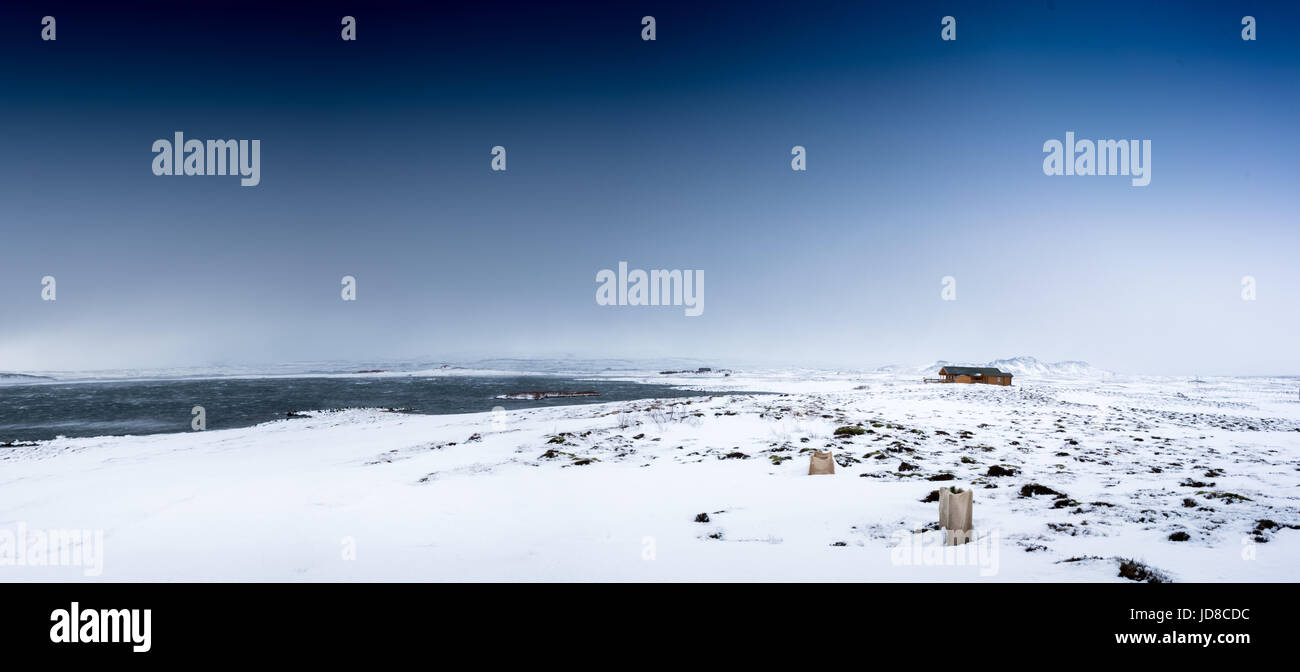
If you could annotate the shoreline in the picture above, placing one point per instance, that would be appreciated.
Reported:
(143, 408)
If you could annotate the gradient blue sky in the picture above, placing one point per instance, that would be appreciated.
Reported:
(924, 160)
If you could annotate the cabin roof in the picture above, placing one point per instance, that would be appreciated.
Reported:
(972, 371)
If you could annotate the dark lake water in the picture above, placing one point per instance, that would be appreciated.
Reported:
(35, 412)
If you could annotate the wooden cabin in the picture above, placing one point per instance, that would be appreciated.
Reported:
(971, 374)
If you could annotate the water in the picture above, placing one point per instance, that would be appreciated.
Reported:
(43, 411)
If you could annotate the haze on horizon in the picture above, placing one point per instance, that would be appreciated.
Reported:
(924, 161)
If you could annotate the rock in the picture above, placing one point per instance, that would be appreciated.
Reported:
(1136, 571)
(1034, 489)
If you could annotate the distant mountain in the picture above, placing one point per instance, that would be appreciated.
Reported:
(21, 378)
(1016, 366)
(1030, 366)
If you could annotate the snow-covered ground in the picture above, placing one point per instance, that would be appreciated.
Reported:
(613, 491)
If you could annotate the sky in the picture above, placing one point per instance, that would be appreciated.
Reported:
(924, 160)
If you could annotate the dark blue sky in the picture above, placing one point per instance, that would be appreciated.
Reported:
(924, 161)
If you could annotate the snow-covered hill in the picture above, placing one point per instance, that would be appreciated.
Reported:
(1070, 478)
(1030, 366)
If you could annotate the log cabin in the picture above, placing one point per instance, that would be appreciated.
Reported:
(971, 374)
